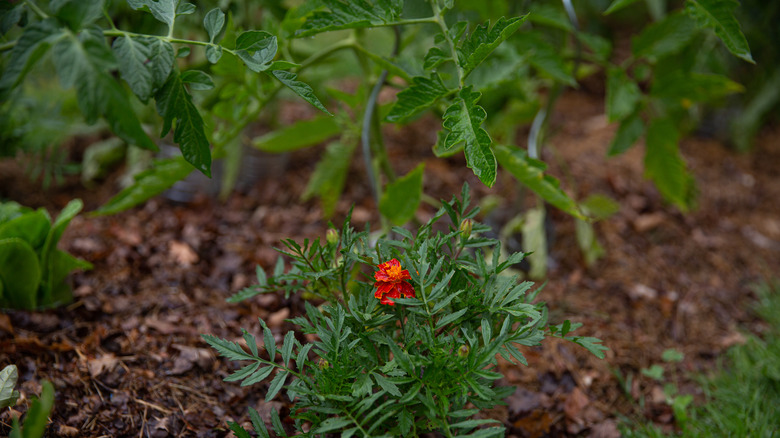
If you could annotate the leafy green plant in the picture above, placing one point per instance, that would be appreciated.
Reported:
(33, 272)
(402, 350)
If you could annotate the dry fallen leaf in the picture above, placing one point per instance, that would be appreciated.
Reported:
(183, 254)
(101, 364)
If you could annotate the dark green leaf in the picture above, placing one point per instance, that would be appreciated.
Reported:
(32, 227)
(38, 415)
(11, 17)
(386, 384)
(148, 184)
(664, 37)
(77, 14)
(258, 424)
(463, 119)
(299, 88)
(434, 58)
(351, 14)
(243, 373)
(330, 175)
(214, 21)
(163, 10)
(362, 386)
(133, 56)
(450, 318)
(183, 52)
(227, 349)
(627, 134)
(258, 376)
(402, 197)
(34, 43)
(544, 57)
(591, 344)
(665, 166)
(332, 424)
(85, 63)
(719, 15)
(257, 49)
(238, 430)
(213, 53)
(276, 385)
(623, 95)
(482, 42)
(299, 135)
(174, 102)
(418, 97)
(530, 172)
(617, 5)
(287, 348)
(197, 79)
(20, 274)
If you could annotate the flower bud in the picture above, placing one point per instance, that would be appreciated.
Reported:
(465, 228)
(323, 364)
(463, 351)
(332, 236)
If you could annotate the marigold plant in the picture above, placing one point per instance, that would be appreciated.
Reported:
(403, 347)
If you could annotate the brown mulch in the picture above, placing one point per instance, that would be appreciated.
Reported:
(126, 357)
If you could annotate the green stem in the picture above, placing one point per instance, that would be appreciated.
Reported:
(38, 11)
(445, 31)
(110, 21)
(7, 46)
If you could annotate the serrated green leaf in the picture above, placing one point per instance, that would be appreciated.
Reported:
(258, 376)
(197, 79)
(133, 55)
(627, 134)
(623, 95)
(163, 10)
(243, 373)
(463, 119)
(665, 166)
(330, 175)
(227, 349)
(299, 88)
(434, 58)
(76, 14)
(84, 62)
(276, 385)
(696, 87)
(148, 184)
(351, 14)
(287, 347)
(276, 422)
(8, 395)
(174, 102)
(258, 424)
(419, 96)
(401, 198)
(530, 172)
(362, 386)
(36, 40)
(617, 5)
(450, 318)
(386, 384)
(257, 49)
(214, 21)
(470, 424)
(299, 135)
(483, 40)
(332, 424)
(664, 37)
(238, 430)
(719, 15)
(591, 344)
(303, 356)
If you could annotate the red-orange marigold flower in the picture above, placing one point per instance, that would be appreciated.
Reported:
(391, 282)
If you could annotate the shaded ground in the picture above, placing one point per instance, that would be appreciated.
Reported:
(126, 357)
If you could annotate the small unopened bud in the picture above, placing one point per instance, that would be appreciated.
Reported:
(332, 236)
(323, 364)
(463, 351)
(465, 228)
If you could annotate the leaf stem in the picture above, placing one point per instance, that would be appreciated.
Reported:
(439, 16)
(38, 11)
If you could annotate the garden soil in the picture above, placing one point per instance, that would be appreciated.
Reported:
(127, 360)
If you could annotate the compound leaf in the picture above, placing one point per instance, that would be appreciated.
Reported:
(530, 172)
(719, 15)
(484, 40)
(351, 14)
(664, 37)
(30, 47)
(174, 102)
(84, 62)
(214, 21)
(163, 10)
(133, 55)
(463, 119)
(423, 93)
(665, 166)
(257, 49)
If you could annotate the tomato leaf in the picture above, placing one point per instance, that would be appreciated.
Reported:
(351, 14)
(719, 15)
(665, 166)
(423, 93)
(463, 119)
